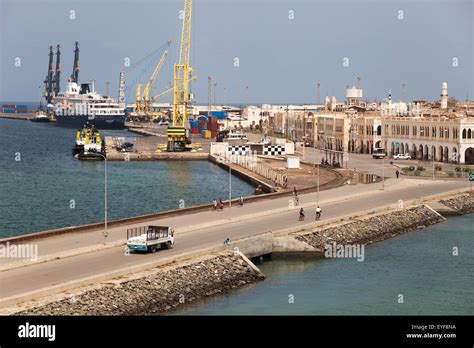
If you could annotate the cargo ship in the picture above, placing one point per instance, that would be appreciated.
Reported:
(80, 104)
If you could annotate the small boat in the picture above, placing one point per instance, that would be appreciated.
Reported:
(91, 156)
(40, 117)
(89, 145)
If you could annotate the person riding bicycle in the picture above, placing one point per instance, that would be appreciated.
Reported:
(241, 201)
(221, 204)
(214, 204)
(318, 212)
(301, 214)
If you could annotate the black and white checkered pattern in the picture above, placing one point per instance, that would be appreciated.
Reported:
(273, 150)
(240, 150)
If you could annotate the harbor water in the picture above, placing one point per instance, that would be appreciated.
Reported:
(43, 187)
(419, 265)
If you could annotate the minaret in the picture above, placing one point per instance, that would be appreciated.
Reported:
(444, 96)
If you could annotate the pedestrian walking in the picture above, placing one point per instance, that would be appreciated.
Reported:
(397, 173)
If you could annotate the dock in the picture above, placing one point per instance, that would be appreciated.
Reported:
(11, 116)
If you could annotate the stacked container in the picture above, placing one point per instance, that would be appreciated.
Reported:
(212, 126)
(194, 127)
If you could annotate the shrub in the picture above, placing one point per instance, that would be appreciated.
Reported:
(438, 168)
(417, 173)
(466, 170)
(420, 168)
(457, 169)
(450, 174)
(405, 169)
(411, 168)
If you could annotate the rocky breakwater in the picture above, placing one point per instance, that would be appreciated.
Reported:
(159, 291)
(373, 228)
(463, 204)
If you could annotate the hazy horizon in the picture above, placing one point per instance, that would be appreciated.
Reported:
(284, 47)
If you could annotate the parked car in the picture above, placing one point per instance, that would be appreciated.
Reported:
(402, 156)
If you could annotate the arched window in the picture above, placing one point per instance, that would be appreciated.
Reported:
(464, 133)
(469, 133)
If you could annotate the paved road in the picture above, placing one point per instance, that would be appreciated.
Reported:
(334, 204)
(361, 162)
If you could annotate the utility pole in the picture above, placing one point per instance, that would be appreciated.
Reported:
(209, 93)
(107, 83)
(105, 233)
(317, 192)
(215, 93)
(318, 96)
(304, 131)
(230, 187)
(383, 173)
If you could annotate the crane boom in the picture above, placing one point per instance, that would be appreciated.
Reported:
(147, 88)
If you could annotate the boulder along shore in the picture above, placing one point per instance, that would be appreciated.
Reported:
(160, 291)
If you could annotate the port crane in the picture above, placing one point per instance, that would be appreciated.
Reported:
(177, 139)
(142, 101)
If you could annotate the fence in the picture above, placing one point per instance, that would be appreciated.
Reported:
(250, 162)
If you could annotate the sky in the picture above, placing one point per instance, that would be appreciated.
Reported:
(256, 51)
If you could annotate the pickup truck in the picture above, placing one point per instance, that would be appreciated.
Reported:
(150, 238)
(402, 156)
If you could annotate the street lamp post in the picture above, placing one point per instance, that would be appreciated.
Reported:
(105, 233)
(230, 187)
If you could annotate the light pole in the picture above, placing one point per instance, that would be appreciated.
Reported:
(105, 233)
(383, 173)
(230, 187)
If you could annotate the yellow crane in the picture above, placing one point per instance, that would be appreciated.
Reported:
(177, 139)
(159, 95)
(142, 101)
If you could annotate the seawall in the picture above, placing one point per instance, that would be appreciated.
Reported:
(159, 290)
(371, 229)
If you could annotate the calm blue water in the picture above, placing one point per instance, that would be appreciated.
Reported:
(36, 192)
(420, 265)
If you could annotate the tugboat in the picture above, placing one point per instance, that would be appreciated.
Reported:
(89, 145)
(40, 117)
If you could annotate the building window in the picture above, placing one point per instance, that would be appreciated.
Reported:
(414, 131)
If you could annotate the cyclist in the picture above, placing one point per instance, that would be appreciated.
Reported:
(301, 214)
(318, 213)
(214, 204)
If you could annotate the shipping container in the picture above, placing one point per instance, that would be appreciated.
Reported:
(21, 106)
(8, 106)
(21, 111)
(9, 110)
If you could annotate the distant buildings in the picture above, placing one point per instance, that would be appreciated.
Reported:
(427, 131)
